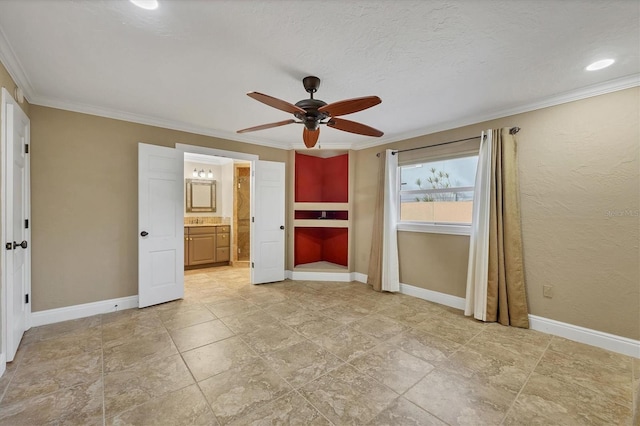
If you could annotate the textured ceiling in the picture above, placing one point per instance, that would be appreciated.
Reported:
(189, 64)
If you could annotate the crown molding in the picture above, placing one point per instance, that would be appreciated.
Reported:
(149, 121)
(14, 67)
(574, 95)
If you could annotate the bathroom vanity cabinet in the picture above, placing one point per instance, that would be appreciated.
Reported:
(206, 245)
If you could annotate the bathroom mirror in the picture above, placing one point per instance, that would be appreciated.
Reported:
(201, 195)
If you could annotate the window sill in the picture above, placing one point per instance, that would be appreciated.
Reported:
(435, 228)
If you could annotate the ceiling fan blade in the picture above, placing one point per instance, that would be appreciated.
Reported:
(267, 126)
(310, 137)
(350, 106)
(353, 127)
(276, 103)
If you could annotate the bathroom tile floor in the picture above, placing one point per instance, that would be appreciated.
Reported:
(307, 352)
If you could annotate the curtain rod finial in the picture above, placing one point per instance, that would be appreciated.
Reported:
(514, 130)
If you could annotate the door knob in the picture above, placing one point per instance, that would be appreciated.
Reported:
(144, 233)
(23, 244)
(281, 226)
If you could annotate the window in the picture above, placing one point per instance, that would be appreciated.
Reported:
(437, 196)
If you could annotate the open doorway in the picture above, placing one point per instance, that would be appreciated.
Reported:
(161, 219)
(217, 213)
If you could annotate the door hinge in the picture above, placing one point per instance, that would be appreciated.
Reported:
(253, 219)
(26, 298)
(26, 148)
(253, 265)
(8, 246)
(26, 224)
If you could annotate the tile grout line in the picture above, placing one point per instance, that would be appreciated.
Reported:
(580, 385)
(189, 369)
(506, 414)
(133, 366)
(414, 385)
(315, 408)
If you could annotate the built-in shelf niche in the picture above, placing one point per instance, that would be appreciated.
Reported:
(321, 180)
(321, 226)
(315, 244)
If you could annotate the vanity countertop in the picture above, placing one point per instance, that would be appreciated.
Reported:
(200, 225)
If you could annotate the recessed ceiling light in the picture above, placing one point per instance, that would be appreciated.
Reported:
(146, 4)
(598, 65)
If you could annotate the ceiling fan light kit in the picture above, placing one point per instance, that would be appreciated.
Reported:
(314, 112)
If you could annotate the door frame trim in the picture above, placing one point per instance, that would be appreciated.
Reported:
(252, 158)
(194, 149)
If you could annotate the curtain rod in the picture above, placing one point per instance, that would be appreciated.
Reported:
(512, 131)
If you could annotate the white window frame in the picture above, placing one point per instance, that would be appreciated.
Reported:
(434, 227)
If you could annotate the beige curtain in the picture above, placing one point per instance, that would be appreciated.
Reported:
(384, 272)
(506, 292)
(374, 274)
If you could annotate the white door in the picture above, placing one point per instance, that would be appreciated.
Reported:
(17, 210)
(160, 225)
(268, 231)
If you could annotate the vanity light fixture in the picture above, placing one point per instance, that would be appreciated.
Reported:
(146, 4)
(598, 65)
(201, 173)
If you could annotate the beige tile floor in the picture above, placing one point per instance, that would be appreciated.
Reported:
(303, 353)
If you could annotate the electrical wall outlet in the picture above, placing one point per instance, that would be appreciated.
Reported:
(547, 291)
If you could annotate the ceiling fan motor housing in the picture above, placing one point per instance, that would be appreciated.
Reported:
(312, 116)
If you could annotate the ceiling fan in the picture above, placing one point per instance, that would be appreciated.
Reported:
(314, 112)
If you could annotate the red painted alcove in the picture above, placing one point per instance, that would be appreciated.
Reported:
(321, 244)
(322, 180)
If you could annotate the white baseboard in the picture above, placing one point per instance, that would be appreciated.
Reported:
(432, 296)
(320, 276)
(360, 277)
(81, 311)
(588, 336)
(611, 342)
(3, 363)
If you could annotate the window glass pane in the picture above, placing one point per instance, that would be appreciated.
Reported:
(438, 191)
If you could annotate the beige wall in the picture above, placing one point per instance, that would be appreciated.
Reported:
(84, 202)
(578, 161)
(442, 259)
